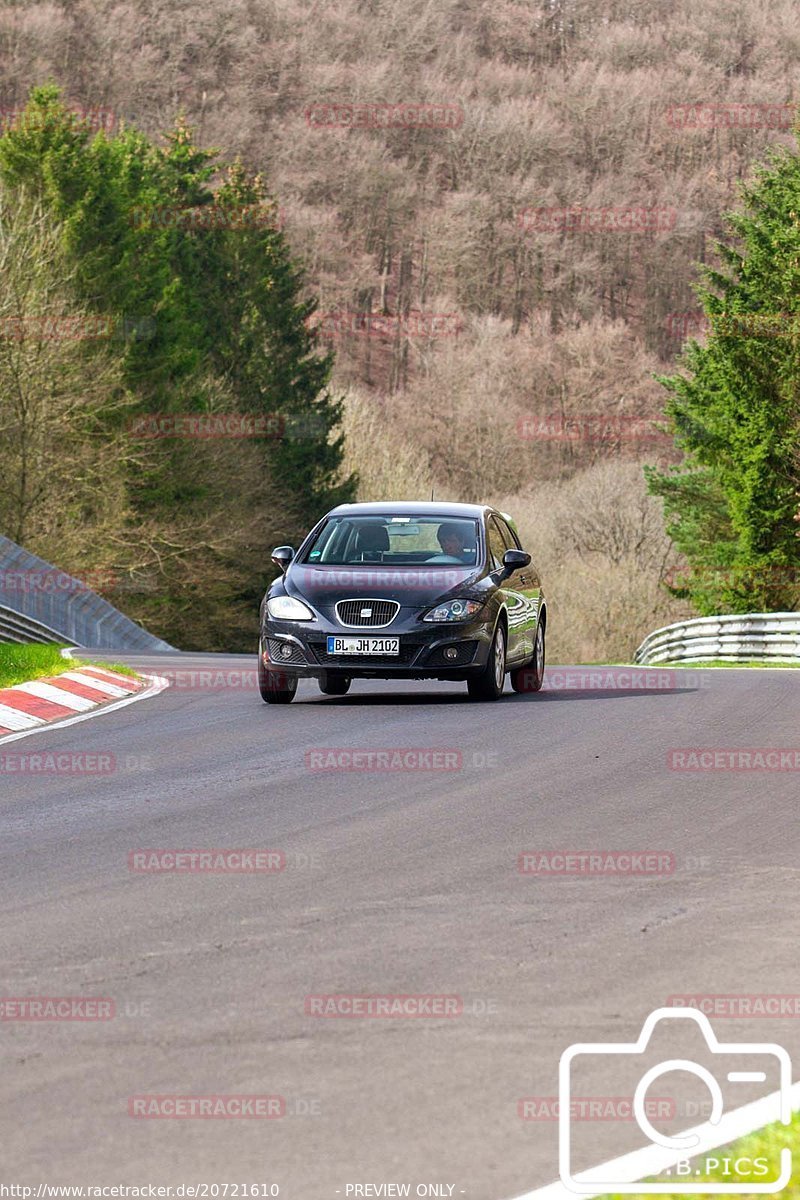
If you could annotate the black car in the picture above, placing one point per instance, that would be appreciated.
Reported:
(404, 591)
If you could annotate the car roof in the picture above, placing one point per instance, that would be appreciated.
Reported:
(401, 508)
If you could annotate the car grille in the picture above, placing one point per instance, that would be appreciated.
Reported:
(381, 612)
(274, 646)
(320, 651)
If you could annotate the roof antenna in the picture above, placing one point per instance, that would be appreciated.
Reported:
(431, 493)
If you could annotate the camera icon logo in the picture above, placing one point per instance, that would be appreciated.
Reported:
(677, 1149)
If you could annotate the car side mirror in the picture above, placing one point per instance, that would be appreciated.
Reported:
(281, 557)
(515, 560)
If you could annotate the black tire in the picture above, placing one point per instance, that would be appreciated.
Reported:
(275, 686)
(488, 684)
(531, 677)
(334, 685)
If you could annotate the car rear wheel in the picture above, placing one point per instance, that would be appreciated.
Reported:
(275, 687)
(531, 677)
(334, 685)
(488, 684)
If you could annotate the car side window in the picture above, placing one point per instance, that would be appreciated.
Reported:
(497, 546)
(511, 542)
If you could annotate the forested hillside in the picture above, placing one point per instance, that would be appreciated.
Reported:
(520, 368)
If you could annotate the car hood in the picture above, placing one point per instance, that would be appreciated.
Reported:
(413, 587)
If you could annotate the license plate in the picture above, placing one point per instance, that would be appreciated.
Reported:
(363, 645)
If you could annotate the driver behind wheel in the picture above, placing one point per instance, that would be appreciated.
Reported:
(452, 539)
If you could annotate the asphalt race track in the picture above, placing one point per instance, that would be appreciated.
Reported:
(396, 882)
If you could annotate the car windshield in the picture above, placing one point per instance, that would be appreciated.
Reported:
(402, 541)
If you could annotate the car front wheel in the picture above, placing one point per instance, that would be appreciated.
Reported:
(531, 677)
(275, 686)
(488, 684)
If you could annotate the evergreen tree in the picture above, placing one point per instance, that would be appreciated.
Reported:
(267, 351)
(730, 505)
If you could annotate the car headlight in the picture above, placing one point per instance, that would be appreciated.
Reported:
(286, 608)
(453, 610)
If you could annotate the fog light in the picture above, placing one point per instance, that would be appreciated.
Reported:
(451, 652)
(286, 650)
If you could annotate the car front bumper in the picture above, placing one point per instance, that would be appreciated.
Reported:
(423, 648)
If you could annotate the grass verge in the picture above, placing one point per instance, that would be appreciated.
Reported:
(19, 664)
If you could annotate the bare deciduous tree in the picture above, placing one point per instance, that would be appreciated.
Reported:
(60, 390)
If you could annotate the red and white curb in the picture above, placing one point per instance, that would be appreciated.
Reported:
(67, 699)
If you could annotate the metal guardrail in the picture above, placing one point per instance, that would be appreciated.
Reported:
(39, 603)
(728, 638)
(15, 627)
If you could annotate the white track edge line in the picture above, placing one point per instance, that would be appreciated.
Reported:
(157, 684)
(739, 1122)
